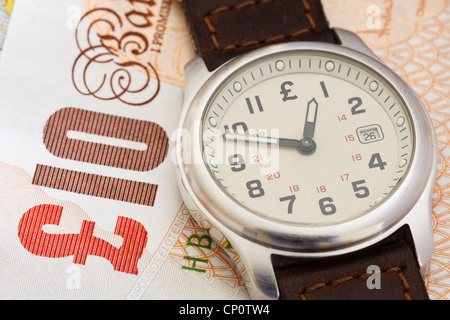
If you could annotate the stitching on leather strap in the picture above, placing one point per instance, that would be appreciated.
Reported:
(397, 270)
(295, 34)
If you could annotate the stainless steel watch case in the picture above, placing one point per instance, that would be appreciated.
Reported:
(257, 239)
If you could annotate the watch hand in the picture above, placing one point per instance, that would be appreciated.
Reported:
(310, 122)
(282, 142)
(307, 144)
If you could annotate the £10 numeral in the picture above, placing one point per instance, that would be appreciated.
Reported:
(58, 143)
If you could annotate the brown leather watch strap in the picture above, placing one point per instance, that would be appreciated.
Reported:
(347, 277)
(222, 29)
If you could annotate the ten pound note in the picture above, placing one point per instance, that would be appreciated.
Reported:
(91, 93)
(89, 206)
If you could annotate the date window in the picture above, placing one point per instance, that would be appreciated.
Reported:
(369, 134)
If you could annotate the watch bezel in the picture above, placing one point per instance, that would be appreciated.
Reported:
(216, 206)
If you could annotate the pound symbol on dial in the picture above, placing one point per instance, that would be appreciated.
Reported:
(286, 92)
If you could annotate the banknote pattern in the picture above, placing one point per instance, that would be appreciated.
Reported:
(98, 226)
(120, 48)
(97, 137)
(63, 233)
(206, 254)
(138, 32)
(422, 59)
(6, 7)
(419, 54)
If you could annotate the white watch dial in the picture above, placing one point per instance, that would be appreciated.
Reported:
(307, 138)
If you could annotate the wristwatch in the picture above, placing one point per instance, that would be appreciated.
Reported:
(308, 154)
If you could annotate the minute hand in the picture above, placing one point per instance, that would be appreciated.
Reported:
(310, 122)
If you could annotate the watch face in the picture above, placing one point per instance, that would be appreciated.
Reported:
(307, 138)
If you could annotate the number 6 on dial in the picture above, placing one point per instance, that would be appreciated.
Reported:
(327, 207)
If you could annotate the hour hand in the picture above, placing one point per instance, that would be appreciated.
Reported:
(282, 142)
(248, 138)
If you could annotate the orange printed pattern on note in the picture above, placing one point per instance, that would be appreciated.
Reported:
(151, 35)
(197, 251)
(412, 37)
